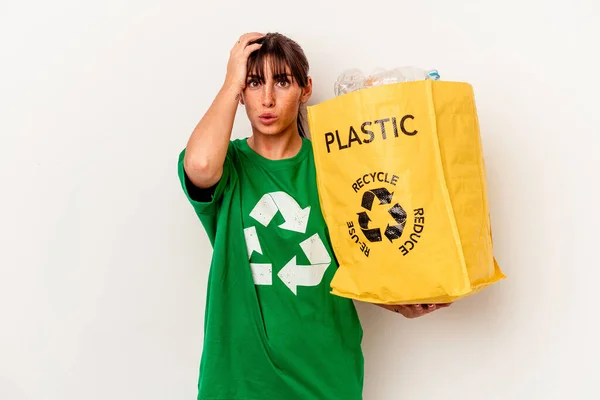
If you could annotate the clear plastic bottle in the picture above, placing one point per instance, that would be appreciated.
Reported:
(380, 77)
(353, 79)
(348, 81)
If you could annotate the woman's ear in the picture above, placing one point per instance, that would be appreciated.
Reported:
(306, 91)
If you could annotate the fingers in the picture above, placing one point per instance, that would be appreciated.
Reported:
(243, 47)
(248, 37)
(252, 48)
(422, 309)
(252, 34)
(418, 310)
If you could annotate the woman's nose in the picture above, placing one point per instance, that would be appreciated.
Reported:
(268, 97)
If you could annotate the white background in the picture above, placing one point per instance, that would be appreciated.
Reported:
(103, 265)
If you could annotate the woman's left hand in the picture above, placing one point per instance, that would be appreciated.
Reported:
(414, 310)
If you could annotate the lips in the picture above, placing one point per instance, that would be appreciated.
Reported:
(267, 118)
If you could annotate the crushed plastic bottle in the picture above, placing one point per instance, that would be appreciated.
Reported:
(349, 81)
(353, 79)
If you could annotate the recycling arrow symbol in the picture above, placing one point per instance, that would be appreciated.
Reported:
(392, 232)
(296, 219)
(294, 275)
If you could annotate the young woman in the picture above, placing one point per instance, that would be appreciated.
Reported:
(272, 329)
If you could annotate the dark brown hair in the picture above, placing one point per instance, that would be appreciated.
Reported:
(283, 54)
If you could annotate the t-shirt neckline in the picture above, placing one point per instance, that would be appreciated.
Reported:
(285, 162)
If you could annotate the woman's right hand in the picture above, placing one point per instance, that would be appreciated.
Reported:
(238, 60)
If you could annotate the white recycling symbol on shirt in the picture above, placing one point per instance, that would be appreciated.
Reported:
(296, 219)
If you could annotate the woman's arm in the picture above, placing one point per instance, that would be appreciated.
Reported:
(207, 146)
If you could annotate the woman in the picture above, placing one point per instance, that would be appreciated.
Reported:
(272, 328)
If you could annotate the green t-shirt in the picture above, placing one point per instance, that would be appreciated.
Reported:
(272, 329)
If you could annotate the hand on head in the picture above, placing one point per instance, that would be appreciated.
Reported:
(238, 59)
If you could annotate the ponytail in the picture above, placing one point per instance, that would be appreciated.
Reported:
(300, 122)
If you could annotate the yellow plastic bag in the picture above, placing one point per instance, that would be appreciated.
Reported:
(402, 185)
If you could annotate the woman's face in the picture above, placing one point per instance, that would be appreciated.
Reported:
(272, 106)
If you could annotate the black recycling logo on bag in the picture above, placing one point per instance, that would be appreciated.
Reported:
(376, 190)
(391, 232)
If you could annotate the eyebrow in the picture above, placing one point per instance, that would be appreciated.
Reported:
(284, 75)
(276, 76)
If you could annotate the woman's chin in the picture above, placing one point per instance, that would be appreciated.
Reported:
(269, 130)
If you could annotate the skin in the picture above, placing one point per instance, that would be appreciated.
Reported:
(414, 311)
(276, 139)
(282, 98)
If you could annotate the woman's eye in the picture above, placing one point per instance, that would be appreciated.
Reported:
(252, 83)
(284, 83)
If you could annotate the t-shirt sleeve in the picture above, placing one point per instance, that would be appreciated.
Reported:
(205, 201)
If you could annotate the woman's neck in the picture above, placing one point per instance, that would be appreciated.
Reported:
(276, 147)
